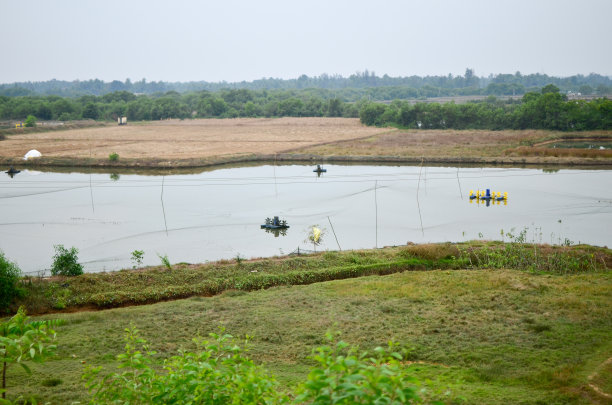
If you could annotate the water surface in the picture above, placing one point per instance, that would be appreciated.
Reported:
(217, 214)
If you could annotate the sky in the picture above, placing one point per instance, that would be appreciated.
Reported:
(236, 40)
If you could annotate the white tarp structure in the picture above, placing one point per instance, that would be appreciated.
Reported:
(32, 154)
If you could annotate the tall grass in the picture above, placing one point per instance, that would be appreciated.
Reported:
(520, 254)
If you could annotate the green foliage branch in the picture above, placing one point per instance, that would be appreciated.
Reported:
(22, 341)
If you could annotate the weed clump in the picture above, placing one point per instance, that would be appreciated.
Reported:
(522, 255)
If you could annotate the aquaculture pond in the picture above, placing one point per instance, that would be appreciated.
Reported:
(217, 214)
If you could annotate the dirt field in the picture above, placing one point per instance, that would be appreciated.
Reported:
(467, 145)
(187, 139)
(205, 142)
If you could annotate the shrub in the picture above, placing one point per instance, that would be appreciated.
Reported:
(220, 373)
(9, 276)
(344, 376)
(217, 374)
(30, 121)
(65, 262)
(137, 258)
(113, 157)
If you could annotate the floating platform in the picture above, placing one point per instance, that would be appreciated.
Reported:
(488, 195)
(275, 223)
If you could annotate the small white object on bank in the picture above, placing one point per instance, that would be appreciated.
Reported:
(32, 154)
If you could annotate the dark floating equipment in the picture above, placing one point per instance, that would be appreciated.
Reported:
(275, 226)
(275, 223)
(12, 171)
(319, 169)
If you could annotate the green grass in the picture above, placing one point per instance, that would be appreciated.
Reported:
(488, 336)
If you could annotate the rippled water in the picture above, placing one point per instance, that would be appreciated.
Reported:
(217, 214)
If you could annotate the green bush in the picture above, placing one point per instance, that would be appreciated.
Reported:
(30, 121)
(345, 376)
(113, 157)
(137, 258)
(220, 373)
(65, 262)
(9, 277)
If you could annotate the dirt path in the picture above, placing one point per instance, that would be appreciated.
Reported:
(603, 367)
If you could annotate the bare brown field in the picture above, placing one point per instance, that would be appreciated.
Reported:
(465, 145)
(205, 142)
(188, 139)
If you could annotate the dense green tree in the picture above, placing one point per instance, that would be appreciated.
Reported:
(91, 111)
(252, 110)
(44, 111)
(550, 88)
(372, 113)
(61, 106)
(335, 107)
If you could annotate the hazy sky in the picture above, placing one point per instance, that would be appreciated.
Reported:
(234, 40)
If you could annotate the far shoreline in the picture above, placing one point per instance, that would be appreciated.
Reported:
(165, 164)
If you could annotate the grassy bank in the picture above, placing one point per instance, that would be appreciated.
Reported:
(481, 336)
(154, 284)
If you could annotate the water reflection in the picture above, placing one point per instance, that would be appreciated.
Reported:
(276, 231)
(489, 202)
(276, 226)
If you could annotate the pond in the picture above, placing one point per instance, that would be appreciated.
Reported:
(217, 214)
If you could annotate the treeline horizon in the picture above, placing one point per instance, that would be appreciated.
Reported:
(547, 108)
(361, 84)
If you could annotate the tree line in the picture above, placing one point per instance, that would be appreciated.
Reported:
(545, 109)
(227, 103)
(361, 84)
